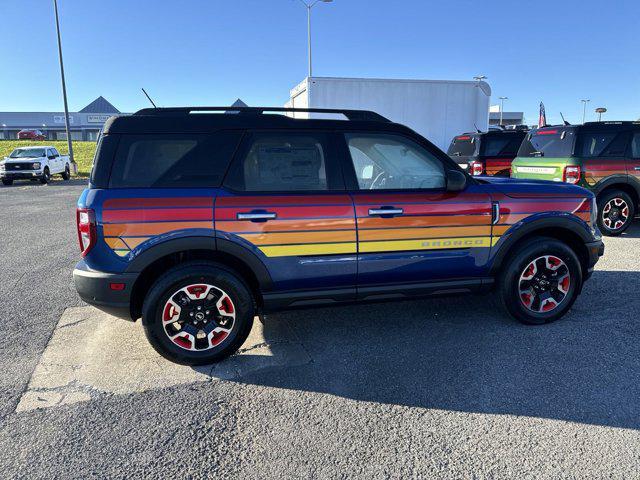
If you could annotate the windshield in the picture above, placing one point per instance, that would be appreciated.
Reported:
(548, 142)
(463, 146)
(27, 153)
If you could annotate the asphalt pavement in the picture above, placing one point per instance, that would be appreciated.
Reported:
(444, 387)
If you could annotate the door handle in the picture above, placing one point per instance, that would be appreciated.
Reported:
(256, 216)
(385, 211)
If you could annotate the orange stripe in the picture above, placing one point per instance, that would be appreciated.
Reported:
(406, 233)
(300, 238)
(285, 225)
(125, 229)
(427, 221)
(500, 229)
(116, 243)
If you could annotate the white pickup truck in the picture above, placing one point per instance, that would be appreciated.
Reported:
(34, 163)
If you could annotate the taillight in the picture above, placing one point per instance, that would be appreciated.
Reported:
(477, 168)
(571, 174)
(86, 223)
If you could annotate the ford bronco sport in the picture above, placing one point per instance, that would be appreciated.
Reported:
(488, 153)
(197, 221)
(601, 156)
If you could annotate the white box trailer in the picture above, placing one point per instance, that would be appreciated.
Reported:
(437, 109)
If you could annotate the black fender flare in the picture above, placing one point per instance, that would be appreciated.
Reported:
(219, 245)
(616, 180)
(564, 222)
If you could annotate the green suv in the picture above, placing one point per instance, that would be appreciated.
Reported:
(601, 156)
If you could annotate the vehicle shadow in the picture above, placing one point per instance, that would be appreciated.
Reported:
(633, 231)
(56, 182)
(462, 354)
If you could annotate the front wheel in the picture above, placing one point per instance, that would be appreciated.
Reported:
(197, 313)
(7, 181)
(615, 212)
(46, 176)
(541, 281)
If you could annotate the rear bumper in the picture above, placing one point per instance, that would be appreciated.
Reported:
(95, 288)
(596, 250)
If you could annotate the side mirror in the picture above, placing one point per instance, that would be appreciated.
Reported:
(456, 181)
(51, 157)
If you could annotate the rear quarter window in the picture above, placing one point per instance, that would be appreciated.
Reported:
(602, 144)
(172, 160)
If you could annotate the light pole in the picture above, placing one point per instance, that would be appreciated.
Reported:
(502, 99)
(309, 6)
(584, 108)
(64, 87)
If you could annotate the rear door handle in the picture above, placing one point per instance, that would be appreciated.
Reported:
(257, 216)
(385, 211)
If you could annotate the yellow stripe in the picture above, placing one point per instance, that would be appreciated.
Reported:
(425, 244)
(311, 249)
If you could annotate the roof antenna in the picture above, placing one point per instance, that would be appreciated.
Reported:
(477, 129)
(565, 122)
(147, 95)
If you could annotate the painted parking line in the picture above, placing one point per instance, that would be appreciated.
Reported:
(92, 353)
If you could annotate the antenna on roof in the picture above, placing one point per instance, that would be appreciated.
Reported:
(563, 120)
(147, 95)
(477, 129)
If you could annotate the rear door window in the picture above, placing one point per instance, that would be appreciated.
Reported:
(551, 142)
(285, 162)
(172, 160)
(602, 144)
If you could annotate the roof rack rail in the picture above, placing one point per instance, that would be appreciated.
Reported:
(614, 122)
(362, 115)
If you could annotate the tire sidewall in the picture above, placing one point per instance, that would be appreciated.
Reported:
(190, 274)
(510, 280)
(606, 199)
(46, 176)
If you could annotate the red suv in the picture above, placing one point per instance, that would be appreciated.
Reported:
(30, 135)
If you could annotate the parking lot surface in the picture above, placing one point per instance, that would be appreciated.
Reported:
(447, 387)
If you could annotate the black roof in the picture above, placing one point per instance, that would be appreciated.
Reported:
(205, 119)
(495, 132)
(609, 125)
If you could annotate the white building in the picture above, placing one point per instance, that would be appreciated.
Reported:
(437, 109)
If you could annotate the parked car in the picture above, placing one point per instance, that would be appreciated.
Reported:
(198, 221)
(31, 135)
(601, 156)
(34, 163)
(487, 153)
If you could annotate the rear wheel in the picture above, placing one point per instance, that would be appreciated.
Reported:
(616, 210)
(197, 313)
(7, 181)
(541, 281)
(46, 176)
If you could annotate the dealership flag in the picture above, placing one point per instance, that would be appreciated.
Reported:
(542, 119)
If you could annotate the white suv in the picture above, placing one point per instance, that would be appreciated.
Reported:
(34, 163)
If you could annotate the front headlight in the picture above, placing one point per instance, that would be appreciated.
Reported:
(36, 165)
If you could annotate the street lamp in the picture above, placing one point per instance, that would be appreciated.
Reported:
(309, 6)
(64, 87)
(584, 108)
(502, 99)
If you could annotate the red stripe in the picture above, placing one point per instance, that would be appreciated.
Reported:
(290, 212)
(433, 208)
(158, 202)
(157, 215)
(261, 200)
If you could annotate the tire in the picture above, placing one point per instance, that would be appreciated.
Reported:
(46, 176)
(66, 175)
(616, 210)
(521, 287)
(225, 317)
(7, 181)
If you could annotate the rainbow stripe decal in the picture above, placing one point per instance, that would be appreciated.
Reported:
(330, 224)
(128, 222)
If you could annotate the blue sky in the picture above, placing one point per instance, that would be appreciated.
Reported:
(210, 52)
